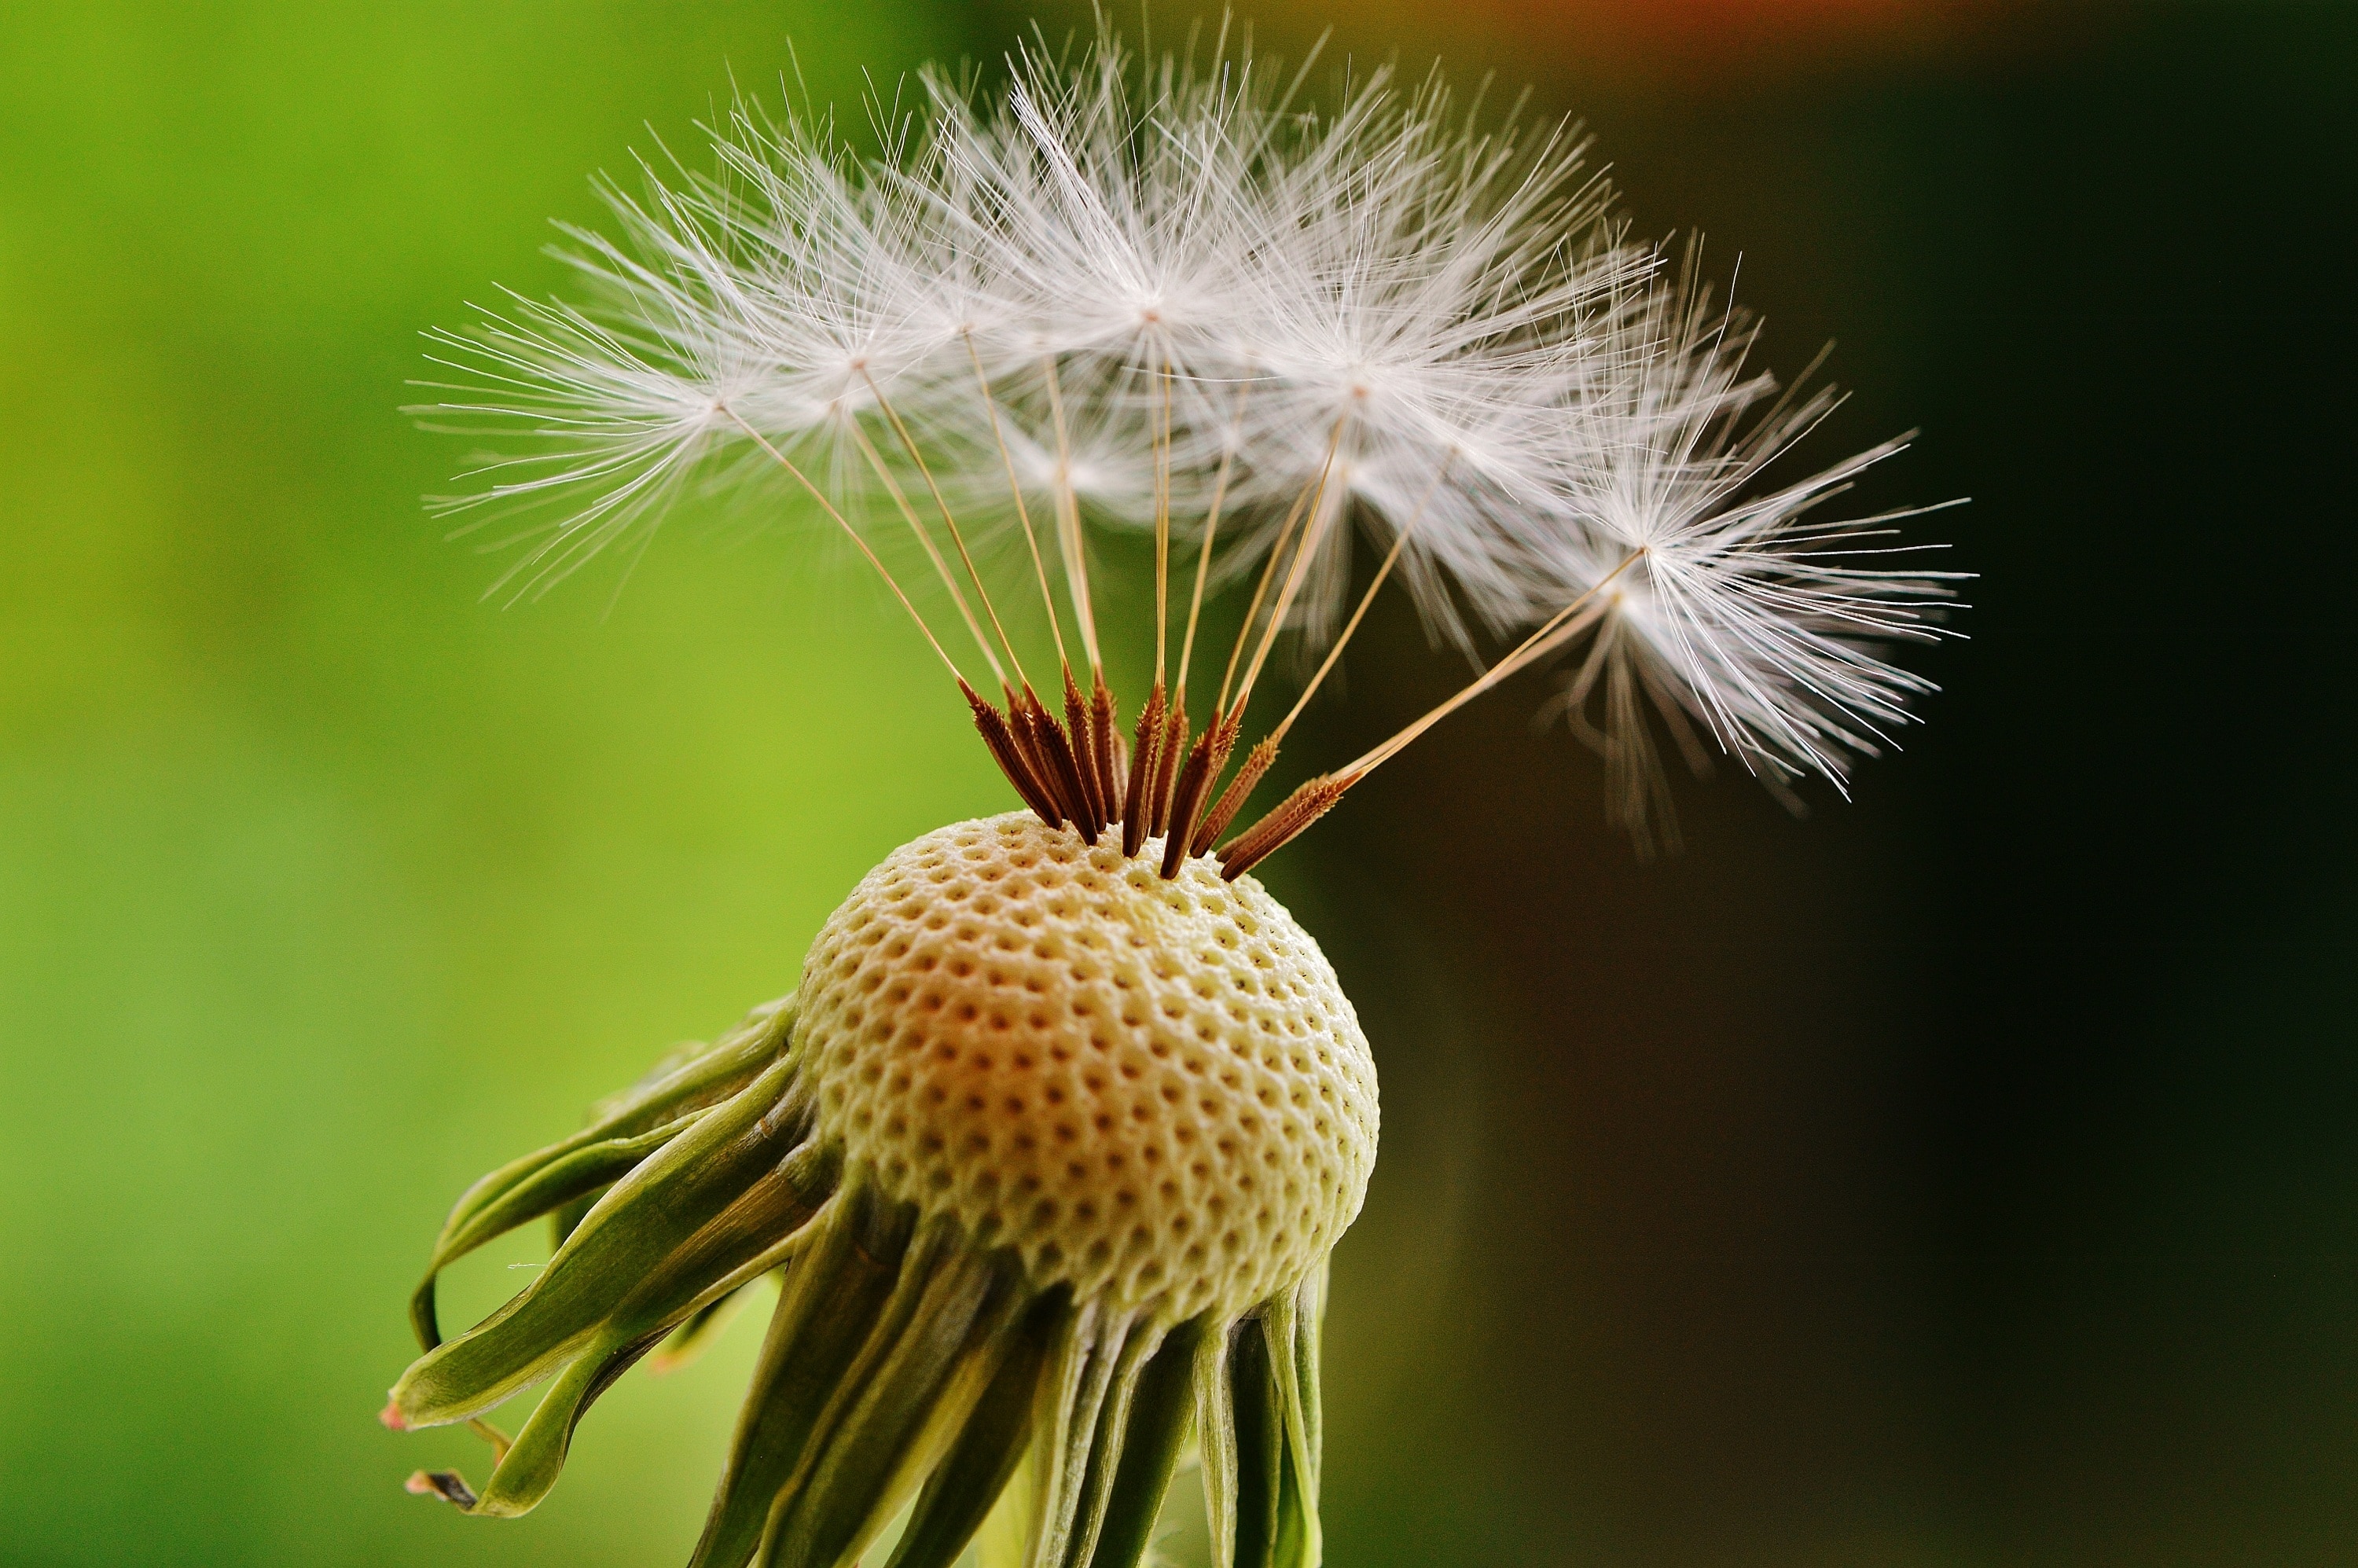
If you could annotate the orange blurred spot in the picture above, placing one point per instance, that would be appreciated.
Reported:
(1607, 35)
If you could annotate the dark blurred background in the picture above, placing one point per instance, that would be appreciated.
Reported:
(1960, 1175)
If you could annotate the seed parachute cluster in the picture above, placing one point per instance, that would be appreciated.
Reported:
(1178, 296)
(1050, 1147)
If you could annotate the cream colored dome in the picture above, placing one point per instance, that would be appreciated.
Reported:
(1154, 1091)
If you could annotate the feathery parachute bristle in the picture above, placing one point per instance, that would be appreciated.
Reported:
(1179, 295)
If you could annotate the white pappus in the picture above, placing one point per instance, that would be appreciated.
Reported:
(1174, 294)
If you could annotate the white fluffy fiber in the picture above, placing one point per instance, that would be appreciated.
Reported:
(1127, 279)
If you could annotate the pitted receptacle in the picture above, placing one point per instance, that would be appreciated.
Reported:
(1154, 1091)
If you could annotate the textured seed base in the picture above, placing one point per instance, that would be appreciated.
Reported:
(1154, 1091)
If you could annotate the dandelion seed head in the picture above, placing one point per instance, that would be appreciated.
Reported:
(1052, 1143)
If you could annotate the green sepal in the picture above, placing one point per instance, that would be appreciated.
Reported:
(687, 1226)
(623, 1130)
(531, 1464)
(1277, 1508)
(525, 1471)
(1274, 1497)
(902, 1409)
(1260, 1447)
(1309, 1333)
(1073, 1394)
(980, 1466)
(832, 1298)
(693, 1338)
(1299, 1542)
(1161, 1413)
(1215, 1442)
(1139, 1343)
(567, 1217)
(585, 1171)
(688, 1077)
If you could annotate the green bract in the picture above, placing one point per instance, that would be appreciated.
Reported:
(1049, 1152)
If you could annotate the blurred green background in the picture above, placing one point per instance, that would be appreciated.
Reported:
(1963, 1175)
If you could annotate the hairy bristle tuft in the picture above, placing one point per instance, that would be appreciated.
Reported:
(1232, 799)
(1285, 823)
(1138, 811)
(1195, 299)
